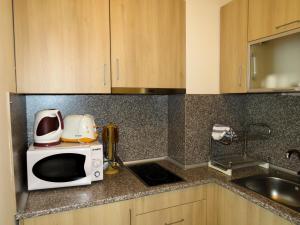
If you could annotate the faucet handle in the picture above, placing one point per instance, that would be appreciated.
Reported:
(290, 152)
(287, 154)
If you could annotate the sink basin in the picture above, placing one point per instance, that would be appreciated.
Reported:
(277, 189)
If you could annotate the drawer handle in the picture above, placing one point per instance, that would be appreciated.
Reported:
(179, 221)
(104, 74)
(118, 69)
(240, 75)
(290, 23)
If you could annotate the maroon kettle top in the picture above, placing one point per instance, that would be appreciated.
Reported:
(47, 125)
(48, 128)
(50, 122)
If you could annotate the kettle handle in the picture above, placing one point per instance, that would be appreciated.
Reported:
(61, 122)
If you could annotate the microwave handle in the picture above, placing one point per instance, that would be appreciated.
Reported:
(87, 166)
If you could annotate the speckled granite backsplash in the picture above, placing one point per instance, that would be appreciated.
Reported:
(180, 125)
(195, 114)
(176, 131)
(282, 114)
(202, 111)
(142, 119)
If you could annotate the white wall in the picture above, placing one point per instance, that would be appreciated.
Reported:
(203, 45)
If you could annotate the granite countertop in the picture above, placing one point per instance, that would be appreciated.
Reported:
(125, 186)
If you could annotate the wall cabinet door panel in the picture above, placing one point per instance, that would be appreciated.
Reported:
(270, 17)
(148, 43)
(287, 15)
(261, 19)
(234, 47)
(62, 46)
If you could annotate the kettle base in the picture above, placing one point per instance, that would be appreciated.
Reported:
(46, 144)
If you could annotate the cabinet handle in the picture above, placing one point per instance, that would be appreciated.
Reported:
(290, 23)
(254, 67)
(104, 74)
(240, 75)
(118, 69)
(130, 217)
(179, 221)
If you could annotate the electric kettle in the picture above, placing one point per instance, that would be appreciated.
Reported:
(48, 127)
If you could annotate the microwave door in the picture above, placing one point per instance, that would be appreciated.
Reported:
(66, 167)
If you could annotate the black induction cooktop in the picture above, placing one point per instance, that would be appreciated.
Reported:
(153, 174)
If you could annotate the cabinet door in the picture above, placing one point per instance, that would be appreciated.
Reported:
(111, 214)
(189, 214)
(269, 17)
(62, 46)
(234, 47)
(231, 209)
(148, 43)
(287, 15)
(261, 19)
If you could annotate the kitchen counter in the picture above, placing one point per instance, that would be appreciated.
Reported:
(125, 186)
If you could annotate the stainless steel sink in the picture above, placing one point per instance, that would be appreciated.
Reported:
(277, 189)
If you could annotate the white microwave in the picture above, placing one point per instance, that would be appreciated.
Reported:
(64, 165)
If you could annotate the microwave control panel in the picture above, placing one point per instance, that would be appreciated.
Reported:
(97, 162)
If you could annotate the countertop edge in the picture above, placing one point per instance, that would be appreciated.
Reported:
(257, 199)
(22, 216)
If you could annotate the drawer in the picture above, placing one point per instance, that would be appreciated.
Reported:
(170, 199)
(187, 214)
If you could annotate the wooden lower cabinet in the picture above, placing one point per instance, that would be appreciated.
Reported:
(187, 214)
(119, 213)
(231, 209)
(169, 199)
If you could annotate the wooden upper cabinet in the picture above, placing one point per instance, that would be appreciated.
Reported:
(62, 46)
(148, 43)
(234, 47)
(287, 15)
(261, 19)
(270, 17)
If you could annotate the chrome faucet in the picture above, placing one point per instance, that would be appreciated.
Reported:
(290, 152)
